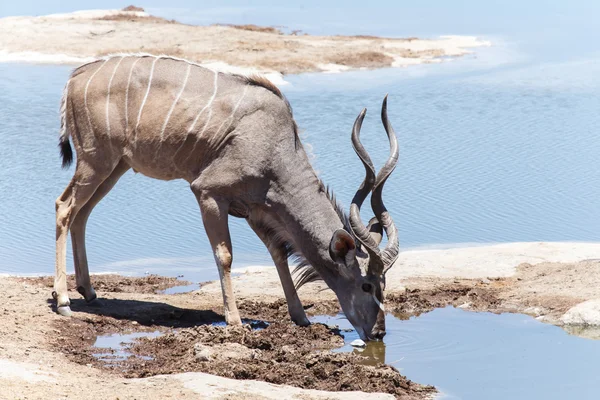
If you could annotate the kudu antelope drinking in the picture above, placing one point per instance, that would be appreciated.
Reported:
(235, 141)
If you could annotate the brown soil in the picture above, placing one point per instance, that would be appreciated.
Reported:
(281, 353)
(366, 59)
(254, 28)
(117, 283)
(474, 295)
(277, 310)
(137, 18)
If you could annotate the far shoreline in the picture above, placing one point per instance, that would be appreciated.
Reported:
(83, 36)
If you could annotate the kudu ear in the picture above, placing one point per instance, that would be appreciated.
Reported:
(376, 230)
(342, 246)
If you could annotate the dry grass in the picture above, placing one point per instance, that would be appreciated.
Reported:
(372, 37)
(133, 8)
(254, 28)
(137, 18)
(368, 59)
(168, 51)
(291, 65)
(361, 37)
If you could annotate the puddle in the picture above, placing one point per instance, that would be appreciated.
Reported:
(181, 289)
(474, 356)
(116, 345)
(255, 324)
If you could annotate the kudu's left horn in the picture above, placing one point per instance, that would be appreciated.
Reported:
(370, 236)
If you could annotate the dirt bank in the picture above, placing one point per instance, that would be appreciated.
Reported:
(118, 283)
(53, 356)
(85, 34)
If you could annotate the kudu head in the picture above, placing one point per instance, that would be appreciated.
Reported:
(361, 291)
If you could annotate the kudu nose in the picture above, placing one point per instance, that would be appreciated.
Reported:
(378, 334)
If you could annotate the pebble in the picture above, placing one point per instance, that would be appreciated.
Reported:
(358, 343)
(202, 352)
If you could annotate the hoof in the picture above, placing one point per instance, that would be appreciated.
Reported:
(90, 296)
(302, 322)
(65, 311)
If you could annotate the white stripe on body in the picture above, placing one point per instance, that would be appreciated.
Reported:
(64, 133)
(145, 97)
(87, 85)
(108, 97)
(127, 94)
(212, 98)
(189, 131)
(206, 106)
(187, 75)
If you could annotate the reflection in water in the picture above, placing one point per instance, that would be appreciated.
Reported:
(469, 355)
(113, 348)
(374, 353)
(584, 331)
(181, 289)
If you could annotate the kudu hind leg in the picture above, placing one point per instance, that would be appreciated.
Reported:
(82, 274)
(81, 188)
(215, 219)
(279, 256)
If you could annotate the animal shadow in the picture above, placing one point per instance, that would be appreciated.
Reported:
(145, 312)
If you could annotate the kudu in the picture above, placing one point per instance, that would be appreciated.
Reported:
(234, 139)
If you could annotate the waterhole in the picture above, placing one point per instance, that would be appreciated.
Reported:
(474, 356)
(114, 348)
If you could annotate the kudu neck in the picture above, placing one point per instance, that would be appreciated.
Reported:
(309, 216)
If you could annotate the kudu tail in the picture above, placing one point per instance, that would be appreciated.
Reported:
(64, 144)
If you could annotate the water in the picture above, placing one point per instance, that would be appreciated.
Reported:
(115, 345)
(473, 356)
(181, 289)
(496, 147)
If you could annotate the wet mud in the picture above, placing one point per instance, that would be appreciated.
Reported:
(268, 347)
(113, 283)
(465, 294)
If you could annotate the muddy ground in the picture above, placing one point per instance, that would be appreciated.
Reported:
(273, 351)
(117, 283)
(268, 348)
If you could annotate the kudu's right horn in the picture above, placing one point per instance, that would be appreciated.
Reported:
(369, 237)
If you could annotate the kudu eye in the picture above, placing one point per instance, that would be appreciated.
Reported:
(367, 287)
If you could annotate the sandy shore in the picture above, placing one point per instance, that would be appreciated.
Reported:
(81, 36)
(47, 359)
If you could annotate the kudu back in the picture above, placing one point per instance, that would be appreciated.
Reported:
(234, 139)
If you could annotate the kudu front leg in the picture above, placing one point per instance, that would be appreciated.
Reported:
(279, 256)
(215, 218)
(295, 308)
